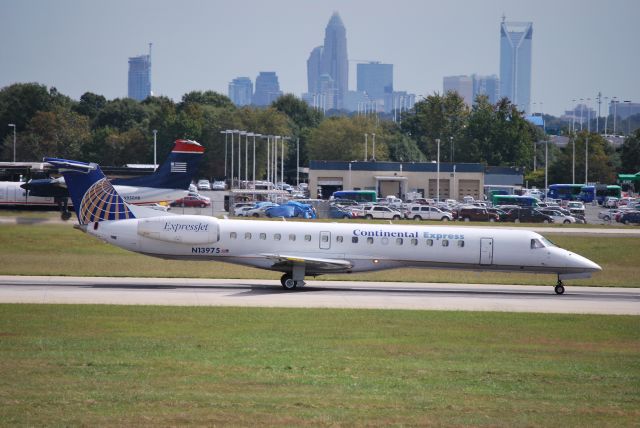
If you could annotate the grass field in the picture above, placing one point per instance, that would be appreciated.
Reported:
(129, 366)
(61, 250)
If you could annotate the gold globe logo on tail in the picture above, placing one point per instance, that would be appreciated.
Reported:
(101, 202)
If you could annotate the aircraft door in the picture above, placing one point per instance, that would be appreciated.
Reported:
(486, 251)
(325, 240)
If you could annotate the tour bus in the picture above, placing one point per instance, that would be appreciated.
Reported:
(360, 196)
(566, 192)
(523, 201)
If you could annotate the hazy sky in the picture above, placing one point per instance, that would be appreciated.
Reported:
(580, 47)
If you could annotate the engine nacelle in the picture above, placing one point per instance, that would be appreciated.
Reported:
(183, 229)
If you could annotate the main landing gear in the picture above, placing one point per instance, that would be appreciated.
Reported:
(559, 287)
(288, 283)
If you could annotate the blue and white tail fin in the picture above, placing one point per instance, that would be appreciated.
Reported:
(176, 172)
(94, 198)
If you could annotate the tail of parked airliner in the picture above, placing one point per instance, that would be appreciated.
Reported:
(176, 172)
(94, 198)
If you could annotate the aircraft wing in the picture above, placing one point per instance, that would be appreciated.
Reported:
(312, 264)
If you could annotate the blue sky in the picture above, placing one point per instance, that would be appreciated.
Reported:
(580, 47)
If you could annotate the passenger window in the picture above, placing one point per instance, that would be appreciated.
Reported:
(263, 236)
(233, 235)
(307, 238)
(414, 241)
(460, 244)
(385, 241)
(292, 237)
(325, 238)
(445, 242)
(247, 235)
(354, 239)
(429, 242)
(369, 240)
(398, 241)
(277, 237)
(339, 239)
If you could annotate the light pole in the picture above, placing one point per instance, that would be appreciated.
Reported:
(438, 173)
(155, 164)
(628, 102)
(14, 141)
(298, 163)
(365, 147)
(269, 161)
(231, 183)
(546, 167)
(254, 159)
(581, 108)
(373, 147)
(615, 113)
(226, 135)
(573, 137)
(606, 118)
(246, 156)
(451, 141)
(282, 161)
(586, 160)
(240, 134)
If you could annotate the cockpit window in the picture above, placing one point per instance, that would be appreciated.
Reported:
(547, 243)
(536, 243)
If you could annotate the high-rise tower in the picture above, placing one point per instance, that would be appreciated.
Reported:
(140, 76)
(515, 62)
(334, 57)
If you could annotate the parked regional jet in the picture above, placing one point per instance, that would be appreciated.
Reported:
(299, 249)
(170, 182)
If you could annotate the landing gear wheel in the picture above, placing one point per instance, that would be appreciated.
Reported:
(65, 215)
(287, 282)
(559, 288)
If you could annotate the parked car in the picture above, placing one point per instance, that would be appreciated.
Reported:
(610, 202)
(192, 200)
(336, 211)
(502, 215)
(193, 188)
(630, 217)
(558, 216)
(575, 207)
(473, 213)
(259, 209)
(218, 185)
(425, 212)
(528, 215)
(608, 215)
(381, 212)
(203, 185)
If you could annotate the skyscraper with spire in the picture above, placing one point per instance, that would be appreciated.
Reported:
(515, 62)
(330, 60)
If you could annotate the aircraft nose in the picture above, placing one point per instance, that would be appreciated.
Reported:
(584, 263)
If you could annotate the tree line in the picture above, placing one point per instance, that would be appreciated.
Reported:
(120, 131)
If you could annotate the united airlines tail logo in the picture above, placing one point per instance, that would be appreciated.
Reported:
(101, 202)
(178, 167)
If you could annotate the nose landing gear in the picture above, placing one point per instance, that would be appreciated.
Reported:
(559, 287)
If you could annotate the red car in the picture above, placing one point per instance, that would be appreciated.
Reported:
(192, 201)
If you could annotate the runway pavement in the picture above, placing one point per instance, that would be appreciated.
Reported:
(318, 294)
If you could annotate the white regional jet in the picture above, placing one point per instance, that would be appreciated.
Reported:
(299, 249)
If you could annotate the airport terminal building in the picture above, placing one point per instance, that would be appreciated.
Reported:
(397, 178)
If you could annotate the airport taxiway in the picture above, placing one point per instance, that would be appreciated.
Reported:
(318, 294)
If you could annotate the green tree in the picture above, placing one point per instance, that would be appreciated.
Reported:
(57, 133)
(602, 167)
(630, 154)
(342, 138)
(121, 114)
(209, 98)
(90, 104)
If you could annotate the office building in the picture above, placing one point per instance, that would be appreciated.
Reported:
(515, 62)
(486, 85)
(139, 87)
(375, 79)
(463, 85)
(314, 69)
(267, 88)
(241, 91)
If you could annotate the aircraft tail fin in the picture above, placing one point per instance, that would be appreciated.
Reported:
(94, 198)
(176, 172)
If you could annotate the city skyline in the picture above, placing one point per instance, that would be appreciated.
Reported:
(83, 47)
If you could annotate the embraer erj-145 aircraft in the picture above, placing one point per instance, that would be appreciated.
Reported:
(299, 249)
(168, 183)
